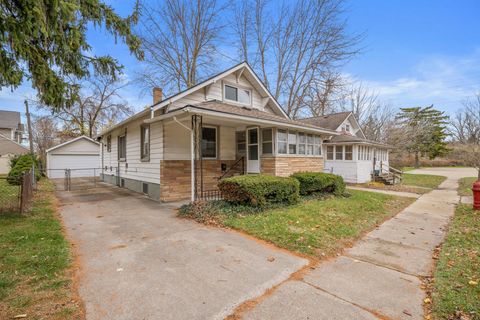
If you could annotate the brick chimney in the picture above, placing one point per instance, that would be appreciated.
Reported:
(157, 95)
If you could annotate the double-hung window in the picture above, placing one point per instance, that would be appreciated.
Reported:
(209, 142)
(302, 140)
(236, 94)
(292, 142)
(267, 141)
(109, 143)
(145, 142)
(348, 153)
(282, 141)
(338, 152)
(122, 148)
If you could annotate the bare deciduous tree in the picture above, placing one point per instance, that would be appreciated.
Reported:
(179, 41)
(44, 134)
(295, 45)
(99, 105)
(465, 124)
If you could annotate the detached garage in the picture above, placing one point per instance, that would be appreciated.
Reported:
(81, 155)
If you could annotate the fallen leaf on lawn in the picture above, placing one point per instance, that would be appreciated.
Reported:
(472, 283)
(427, 300)
(20, 316)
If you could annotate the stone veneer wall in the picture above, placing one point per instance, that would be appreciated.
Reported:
(285, 166)
(175, 177)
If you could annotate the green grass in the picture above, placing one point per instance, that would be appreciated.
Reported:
(319, 227)
(465, 186)
(405, 169)
(456, 288)
(422, 180)
(34, 262)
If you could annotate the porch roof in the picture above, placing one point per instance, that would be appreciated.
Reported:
(344, 139)
(218, 109)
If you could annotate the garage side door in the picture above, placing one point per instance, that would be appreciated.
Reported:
(80, 165)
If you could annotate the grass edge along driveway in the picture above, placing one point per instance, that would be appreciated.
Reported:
(319, 228)
(35, 263)
(456, 285)
(465, 186)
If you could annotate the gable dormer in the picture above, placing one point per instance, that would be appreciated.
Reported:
(350, 126)
(238, 86)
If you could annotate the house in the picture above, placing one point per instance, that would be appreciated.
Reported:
(227, 125)
(8, 149)
(350, 154)
(11, 125)
(80, 155)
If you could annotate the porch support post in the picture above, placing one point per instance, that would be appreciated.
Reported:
(192, 164)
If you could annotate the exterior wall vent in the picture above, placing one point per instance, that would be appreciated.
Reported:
(145, 188)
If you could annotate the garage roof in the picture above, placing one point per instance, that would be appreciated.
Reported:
(72, 141)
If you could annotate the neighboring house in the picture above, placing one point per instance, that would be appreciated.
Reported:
(81, 155)
(350, 154)
(11, 125)
(8, 149)
(230, 124)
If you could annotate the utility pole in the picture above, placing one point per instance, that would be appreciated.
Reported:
(29, 124)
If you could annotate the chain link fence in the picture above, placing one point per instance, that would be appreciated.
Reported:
(16, 195)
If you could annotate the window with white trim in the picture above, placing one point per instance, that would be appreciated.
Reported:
(240, 95)
(298, 143)
(122, 148)
(209, 142)
(348, 152)
(338, 152)
(330, 152)
(145, 142)
(282, 141)
(267, 141)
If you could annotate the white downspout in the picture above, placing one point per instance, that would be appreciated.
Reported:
(192, 157)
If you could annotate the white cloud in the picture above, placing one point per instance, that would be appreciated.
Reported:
(444, 81)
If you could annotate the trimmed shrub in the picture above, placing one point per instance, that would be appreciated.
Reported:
(319, 182)
(260, 190)
(22, 165)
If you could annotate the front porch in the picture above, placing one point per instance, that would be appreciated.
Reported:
(200, 149)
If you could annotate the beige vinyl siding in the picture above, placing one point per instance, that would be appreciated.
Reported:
(148, 171)
(215, 92)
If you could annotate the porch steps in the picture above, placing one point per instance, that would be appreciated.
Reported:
(389, 178)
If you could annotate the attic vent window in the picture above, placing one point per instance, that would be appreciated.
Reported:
(236, 94)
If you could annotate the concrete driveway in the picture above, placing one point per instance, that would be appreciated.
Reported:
(139, 261)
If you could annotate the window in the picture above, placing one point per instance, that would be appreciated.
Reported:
(329, 152)
(292, 142)
(109, 143)
(302, 140)
(209, 142)
(317, 147)
(282, 141)
(348, 153)
(122, 148)
(237, 94)
(338, 152)
(310, 144)
(145, 142)
(241, 143)
(347, 127)
(267, 141)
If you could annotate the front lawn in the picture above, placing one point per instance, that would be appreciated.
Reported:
(456, 287)
(35, 261)
(316, 227)
(465, 186)
(422, 180)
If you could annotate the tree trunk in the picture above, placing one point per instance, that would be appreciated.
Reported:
(417, 160)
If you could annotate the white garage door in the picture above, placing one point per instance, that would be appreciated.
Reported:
(80, 165)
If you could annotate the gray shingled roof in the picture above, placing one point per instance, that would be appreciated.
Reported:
(8, 146)
(215, 105)
(329, 121)
(355, 140)
(9, 119)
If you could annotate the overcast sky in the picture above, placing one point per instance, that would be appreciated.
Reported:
(416, 53)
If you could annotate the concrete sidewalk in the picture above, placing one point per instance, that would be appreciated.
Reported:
(378, 278)
(390, 192)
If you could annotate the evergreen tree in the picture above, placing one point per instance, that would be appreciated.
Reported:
(424, 132)
(45, 42)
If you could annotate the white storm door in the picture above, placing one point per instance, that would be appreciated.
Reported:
(253, 160)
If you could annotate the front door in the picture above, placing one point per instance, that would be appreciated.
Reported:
(253, 160)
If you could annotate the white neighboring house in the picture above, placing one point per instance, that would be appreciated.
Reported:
(81, 155)
(8, 149)
(350, 154)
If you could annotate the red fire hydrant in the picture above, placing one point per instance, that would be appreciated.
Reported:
(476, 195)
